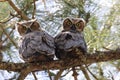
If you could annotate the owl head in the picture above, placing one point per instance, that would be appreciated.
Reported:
(75, 24)
(27, 26)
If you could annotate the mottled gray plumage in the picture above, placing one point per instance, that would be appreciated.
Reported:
(70, 43)
(67, 42)
(37, 46)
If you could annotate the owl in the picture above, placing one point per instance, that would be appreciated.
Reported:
(24, 27)
(70, 42)
(36, 45)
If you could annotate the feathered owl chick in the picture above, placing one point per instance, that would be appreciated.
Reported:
(70, 43)
(25, 26)
(37, 45)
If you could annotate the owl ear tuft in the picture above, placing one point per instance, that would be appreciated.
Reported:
(33, 20)
(67, 23)
(35, 25)
(18, 23)
(83, 23)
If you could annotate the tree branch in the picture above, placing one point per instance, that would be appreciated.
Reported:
(2, 28)
(59, 64)
(91, 73)
(23, 16)
(34, 9)
(26, 68)
(85, 72)
(59, 74)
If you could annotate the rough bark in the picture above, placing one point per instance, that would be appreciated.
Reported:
(26, 68)
(59, 64)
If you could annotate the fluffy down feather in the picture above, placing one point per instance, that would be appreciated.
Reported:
(37, 46)
(68, 43)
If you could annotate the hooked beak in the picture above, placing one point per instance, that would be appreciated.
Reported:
(73, 28)
(28, 31)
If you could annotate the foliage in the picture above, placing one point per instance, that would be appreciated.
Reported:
(4, 11)
(26, 6)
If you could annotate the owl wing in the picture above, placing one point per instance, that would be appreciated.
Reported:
(47, 44)
(68, 41)
(37, 43)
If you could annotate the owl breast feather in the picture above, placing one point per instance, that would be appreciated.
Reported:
(37, 41)
(68, 40)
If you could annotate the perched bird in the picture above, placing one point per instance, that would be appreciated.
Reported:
(37, 45)
(70, 43)
(32, 25)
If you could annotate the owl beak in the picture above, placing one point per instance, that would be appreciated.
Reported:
(28, 30)
(73, 27)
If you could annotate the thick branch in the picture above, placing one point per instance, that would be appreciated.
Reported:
(59, 64)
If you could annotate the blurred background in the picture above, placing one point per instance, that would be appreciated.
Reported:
(102, 32)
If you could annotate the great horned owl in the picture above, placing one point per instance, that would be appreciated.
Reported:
(37, 45)
(25, 26)
(70, 43)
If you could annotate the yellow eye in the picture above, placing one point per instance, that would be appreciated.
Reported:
(24, 27)
(78, 25)
(69, 23)
(66, 24)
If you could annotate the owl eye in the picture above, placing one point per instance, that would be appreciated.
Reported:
(69, 23)
(78, 25)
(24, 27)
(66, 24)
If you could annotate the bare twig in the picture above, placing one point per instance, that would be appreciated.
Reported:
(10, 16)
(1, 33)
(49, 73)
(34, 9)
(106, 48)
(8, 35)
(85, 72)
(44, 3)
(59, 74)
(23, 16)
(75, 74)
(24, 72)
(34, 75)
(91, 72)
(112, 77)
(7, 19)
(3, 0)
(66, 73)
